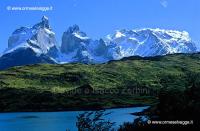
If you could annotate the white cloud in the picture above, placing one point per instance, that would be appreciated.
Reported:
(164, 3)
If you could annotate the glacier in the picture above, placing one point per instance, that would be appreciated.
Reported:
(124, 43)
(38, 44)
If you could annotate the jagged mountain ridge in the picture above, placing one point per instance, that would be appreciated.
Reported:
(30, 45)
(39, 42)
(125, 43)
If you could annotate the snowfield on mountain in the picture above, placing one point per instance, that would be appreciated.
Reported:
(38, 44)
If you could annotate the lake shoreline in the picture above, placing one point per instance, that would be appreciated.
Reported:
(81, 109)
(21, 100)
(52, 121)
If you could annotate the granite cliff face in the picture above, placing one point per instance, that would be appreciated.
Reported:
(30, 45)
(37, 44)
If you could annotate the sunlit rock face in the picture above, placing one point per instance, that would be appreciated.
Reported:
(125, 43)
(30, 45)
(37, 44)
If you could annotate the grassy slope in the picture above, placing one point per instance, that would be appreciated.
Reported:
(172, 71)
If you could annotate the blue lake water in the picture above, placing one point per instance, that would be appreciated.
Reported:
(58, 121)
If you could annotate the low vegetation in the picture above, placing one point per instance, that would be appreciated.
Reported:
(43, 87)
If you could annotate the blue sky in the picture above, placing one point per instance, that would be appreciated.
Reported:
(100, 17)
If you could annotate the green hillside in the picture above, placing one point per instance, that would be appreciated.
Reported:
(33, 81)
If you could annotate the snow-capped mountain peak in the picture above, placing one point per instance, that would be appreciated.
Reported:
(124, 43)
(37, 44)
(72, 39)
(75, 30)
(119, 34)
(30, 45)
(151, 42)
(43, 24)
(40, 38)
